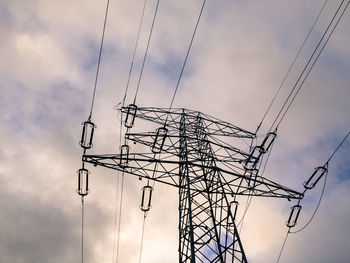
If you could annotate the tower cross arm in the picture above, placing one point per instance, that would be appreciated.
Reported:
(164, 168)
(171, 119)
(259, 186)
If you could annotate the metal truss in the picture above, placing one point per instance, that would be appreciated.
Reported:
(205, 158)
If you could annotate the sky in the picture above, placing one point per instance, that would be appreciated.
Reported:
(240, 54)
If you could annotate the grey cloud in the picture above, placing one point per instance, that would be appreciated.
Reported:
(239, 56)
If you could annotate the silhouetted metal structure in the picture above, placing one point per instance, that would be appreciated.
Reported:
(211, 162)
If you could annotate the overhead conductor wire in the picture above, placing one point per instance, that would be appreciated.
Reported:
(82, 229)
(142, 235)
(177, 85)
(99, 60)
(250, 196)
(185, 61)
(319, 201)
(89, 119)
(291, 66)
(308, 70)
(134, 52)
(284, 243)
(123, 103)
(187, 53)
(137, 90)
(324, 184)
(145, 56)
(276, 94)
(143, 224)
(120, 142)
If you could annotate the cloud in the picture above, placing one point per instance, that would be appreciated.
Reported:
(239, 57)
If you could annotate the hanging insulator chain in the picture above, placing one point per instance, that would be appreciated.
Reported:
(268, 141)
(159, 140)
(254, 158)
(124, 155)
(130, 116)
(87, 134)
(294, 215)
(253, 174)
(316, 176)
(309, 184)
(146, 198)
(83, 182)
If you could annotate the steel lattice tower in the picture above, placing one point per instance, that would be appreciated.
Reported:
(211, 162)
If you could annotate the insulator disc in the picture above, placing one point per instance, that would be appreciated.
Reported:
(294, 215)
(159, 139)
(87, 134)
(267, 142)
(130, 116)
(83, 182)
(315, 177)
(124, 155)
(146, 198)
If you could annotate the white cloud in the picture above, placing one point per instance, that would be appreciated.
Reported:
(239, 56)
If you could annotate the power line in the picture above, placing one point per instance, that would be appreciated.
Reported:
(146, 52)
(120, 214)
(321, 196)
(282, 248)
(318, 205)
(308, 223)
(312, 65)
(134, 52)
(187, 53)
(251, 197)
(89, 119)
(82, 229)
(342, 142)
(292, 65)
(324, 183)
(142, 235)
(308, 63)
(120, 140)
(115, 215)
(99, 60)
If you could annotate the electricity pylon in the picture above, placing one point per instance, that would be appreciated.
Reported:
(211, 162)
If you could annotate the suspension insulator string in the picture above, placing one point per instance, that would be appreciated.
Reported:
(145, 207)
(86, 141)
(121, 129)
(250, 197)
(316, 209)
(323, 171)
(120, 177)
